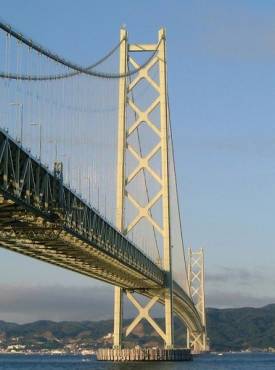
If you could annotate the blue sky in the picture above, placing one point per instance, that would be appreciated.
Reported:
(221, 63)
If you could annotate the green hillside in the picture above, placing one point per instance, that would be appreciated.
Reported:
(241, 328)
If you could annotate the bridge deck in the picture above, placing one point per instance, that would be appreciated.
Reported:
(42, 218)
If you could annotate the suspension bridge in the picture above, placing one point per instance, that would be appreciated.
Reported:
(88, 179)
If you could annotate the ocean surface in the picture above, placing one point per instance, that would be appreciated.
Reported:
(206, 362)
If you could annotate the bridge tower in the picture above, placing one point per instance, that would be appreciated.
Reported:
(197, 342)
(127, 86)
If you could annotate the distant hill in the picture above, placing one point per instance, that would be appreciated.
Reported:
(228, 329)
(241, 328)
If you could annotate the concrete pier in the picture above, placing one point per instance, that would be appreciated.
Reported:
(143, 354)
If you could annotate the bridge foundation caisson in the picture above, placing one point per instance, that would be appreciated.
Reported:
(144, 354)
(123, 222)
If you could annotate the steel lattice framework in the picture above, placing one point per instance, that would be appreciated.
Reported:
(161, 196)
(197, 340)
(43, 218)
(49, 221)
(144, 211)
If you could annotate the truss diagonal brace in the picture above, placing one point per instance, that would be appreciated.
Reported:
(144, 313)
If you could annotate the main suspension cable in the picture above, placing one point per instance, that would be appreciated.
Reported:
(79, 69)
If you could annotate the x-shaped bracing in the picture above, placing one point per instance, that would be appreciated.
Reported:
(144, 73)
(196, 340)
(143, 162)
(144, 313)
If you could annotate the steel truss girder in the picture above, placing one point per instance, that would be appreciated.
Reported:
(32, 197)
(60, 246)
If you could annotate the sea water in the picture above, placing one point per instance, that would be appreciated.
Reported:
(244, 361)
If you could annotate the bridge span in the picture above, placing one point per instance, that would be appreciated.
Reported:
(41, 216)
